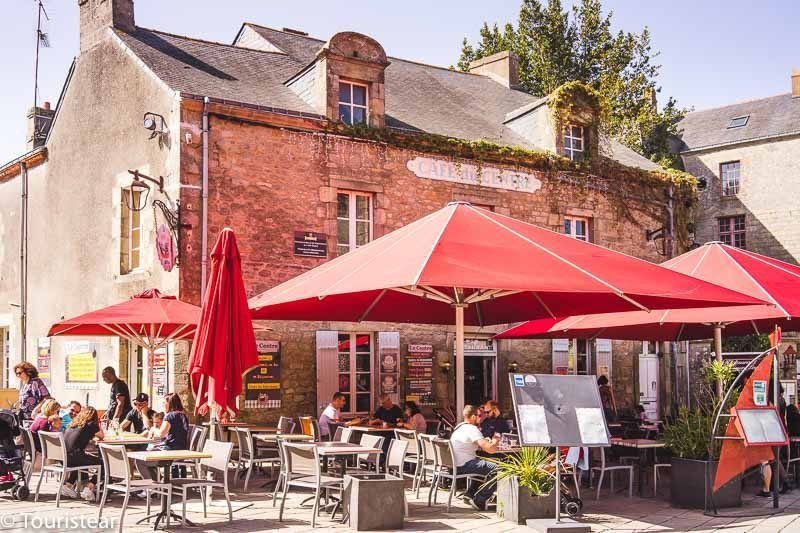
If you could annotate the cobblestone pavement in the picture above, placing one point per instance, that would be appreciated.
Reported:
(610, 513)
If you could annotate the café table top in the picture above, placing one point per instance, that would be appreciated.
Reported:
(367, 429)
(157, 456)
(128, 438)
(273, 437)
(638, 443)
(347, 450)
(230, 424)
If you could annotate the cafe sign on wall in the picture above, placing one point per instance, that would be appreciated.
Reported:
(497, 178)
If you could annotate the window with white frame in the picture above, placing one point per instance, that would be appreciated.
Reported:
(353, 220)
(352, 103)
(130, 233)
(574, 142)
(730, 175)
(355, 371)
(577, 227)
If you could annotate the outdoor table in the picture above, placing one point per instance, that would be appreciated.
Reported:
(643, 445)
(129, 439)
(273, 437)
(164, 459)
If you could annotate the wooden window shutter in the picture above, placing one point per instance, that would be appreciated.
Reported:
(560, 356)
(327, 367)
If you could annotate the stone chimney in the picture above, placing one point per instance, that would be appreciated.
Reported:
(796, 83)
(502, 67)
(39, 122)
(97, 15)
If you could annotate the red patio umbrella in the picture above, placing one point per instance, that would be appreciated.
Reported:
(148, 319)
(746, 272)
(224, 346)
(484, 268)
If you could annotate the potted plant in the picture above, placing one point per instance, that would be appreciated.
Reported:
(695, 453)
(525, 483)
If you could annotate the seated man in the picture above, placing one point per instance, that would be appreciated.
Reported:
(388, 412)
(332, 413)
(140, 418)
(493, 424)
(466, 440)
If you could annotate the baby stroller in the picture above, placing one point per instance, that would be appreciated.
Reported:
(12, 474)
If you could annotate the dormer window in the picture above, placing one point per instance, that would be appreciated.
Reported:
(352, 103)
(574, 142)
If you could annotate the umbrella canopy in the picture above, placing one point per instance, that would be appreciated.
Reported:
(746, 272)
(490, 268)
(148, 319)
(224, 346)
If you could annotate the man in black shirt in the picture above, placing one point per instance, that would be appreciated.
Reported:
(140, 418)
(120, 403)
(493, 424)
(387, 413)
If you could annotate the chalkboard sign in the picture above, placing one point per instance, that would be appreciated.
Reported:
(556, 410)
(310, 244)
(262, 385)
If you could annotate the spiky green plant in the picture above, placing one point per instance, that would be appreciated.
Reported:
(533, 466)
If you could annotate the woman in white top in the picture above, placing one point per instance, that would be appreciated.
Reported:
(414, 419)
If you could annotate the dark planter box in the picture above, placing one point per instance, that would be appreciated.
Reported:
(516, 504)
(374, 501)
(692, 481)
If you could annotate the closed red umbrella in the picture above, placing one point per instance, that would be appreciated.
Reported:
(484, 268)
(224, 346)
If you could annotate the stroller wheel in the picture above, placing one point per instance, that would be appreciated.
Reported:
(14, 492)
(572, 508)
(23, 492)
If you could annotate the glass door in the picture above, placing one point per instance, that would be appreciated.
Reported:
(355, 372)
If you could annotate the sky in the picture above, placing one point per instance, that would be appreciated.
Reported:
(712, 52)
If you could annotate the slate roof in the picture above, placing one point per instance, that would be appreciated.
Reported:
(768, 117)
(419, 97)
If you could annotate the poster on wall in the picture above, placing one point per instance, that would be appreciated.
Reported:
(81, 365)
(262, 385)
(43, 359)
(419, 383)
(159, 382)
(389, 363)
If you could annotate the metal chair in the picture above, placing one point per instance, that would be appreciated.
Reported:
(413, 452)
(445, 468)
(54, 459)
(217, 464)
(337, 435)
(395, 460)
(427, 460)
(197, 438)
(303, 470)
(118, 467)
(368, 460)
(310, 426)
(247, 455)
(603, 468)
(285, 425)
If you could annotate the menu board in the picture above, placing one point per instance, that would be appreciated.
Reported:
(419, 375)
(81, 365)
(43, 359)
(262, 385)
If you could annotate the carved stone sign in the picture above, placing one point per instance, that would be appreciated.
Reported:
(497, 178)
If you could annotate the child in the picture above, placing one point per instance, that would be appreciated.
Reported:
(56, 422)
(153, 432)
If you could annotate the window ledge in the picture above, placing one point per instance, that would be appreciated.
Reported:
(133, 276)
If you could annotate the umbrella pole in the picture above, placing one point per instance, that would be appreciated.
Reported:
(459, 360)
(718, 351)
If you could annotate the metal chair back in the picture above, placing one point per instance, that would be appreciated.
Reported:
(285, 425)
(337, 435)
(301, 460)
(409, 436)
(220, 456)
(371, 441)
(53, 447)
(444, 454)
(396, 455)
(197, 437)
(245, 439)
(428, 451)
(346, 435)
(115, 461)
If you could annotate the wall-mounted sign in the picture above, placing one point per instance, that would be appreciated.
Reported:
(165, 247)
(442, 170)
(43, 359)
(310, 244)
(81, 364)
(262, 385)
(419, 383)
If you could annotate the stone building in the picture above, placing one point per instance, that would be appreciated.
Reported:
(747, 158)
(286, 138)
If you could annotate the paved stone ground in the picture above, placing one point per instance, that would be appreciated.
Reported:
(610, 513)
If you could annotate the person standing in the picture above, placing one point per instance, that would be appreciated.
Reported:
(32, 389)
(607, 399)
(466, 440)
(120, 404)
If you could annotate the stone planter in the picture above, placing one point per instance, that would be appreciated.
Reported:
(374, 501)
(516, 504)
(692, 481)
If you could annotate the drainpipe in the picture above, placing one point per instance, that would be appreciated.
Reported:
(23, 262)
(204, 196)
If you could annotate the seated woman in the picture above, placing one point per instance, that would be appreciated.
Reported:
(48, 408)
(175, 432)
(83, 428)
(414, 419)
